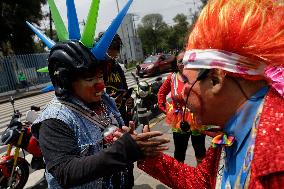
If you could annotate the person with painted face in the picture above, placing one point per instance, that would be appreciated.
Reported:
(235, 71)
(79, 131)
(174, 109)
(78, 123)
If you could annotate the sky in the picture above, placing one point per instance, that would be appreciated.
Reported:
(108, 10)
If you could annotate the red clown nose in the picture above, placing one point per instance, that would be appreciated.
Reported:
(99, 86)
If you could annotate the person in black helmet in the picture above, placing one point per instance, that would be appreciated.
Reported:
(76, 129)
(114, 77)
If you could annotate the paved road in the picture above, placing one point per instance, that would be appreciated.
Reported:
(36, 180)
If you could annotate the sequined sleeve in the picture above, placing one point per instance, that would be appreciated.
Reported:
(181, 176)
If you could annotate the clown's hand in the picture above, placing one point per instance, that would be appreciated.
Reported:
(150, 143)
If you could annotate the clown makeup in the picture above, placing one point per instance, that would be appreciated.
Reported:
(203, 101)
(89, 89)
(209, 98)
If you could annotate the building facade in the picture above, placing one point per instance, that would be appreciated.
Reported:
(132, 46)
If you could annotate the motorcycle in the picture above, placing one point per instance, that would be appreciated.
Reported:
(146, 101)
(14, 170)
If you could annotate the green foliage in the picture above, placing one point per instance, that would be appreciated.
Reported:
(152, 31)
(157, 36)
(54, 34)
(15, 36)
(178, 32)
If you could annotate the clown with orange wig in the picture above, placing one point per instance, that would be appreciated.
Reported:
(235, 67)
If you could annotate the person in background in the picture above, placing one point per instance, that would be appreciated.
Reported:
(116, 87)
(114, 77)
(174, 109)
(23, 80)
(235, 70)
(125, 63)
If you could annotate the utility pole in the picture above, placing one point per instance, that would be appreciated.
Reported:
(117, 6)
(50, 25)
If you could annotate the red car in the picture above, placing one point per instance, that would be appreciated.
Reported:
(156, 64)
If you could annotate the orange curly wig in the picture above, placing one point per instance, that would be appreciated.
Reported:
(251, 28)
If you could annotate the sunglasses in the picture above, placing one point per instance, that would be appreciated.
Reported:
(202, 74)
(179, 61)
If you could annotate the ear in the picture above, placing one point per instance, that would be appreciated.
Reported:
(216, 78)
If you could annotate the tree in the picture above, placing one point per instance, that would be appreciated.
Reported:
(15, 36)
(203, 2)
(177, 35)
(157, 36)
(152, 32)
(196, 13)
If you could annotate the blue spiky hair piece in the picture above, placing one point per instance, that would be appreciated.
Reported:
(87, 37)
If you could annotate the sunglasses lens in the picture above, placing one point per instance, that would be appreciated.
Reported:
(179, 61)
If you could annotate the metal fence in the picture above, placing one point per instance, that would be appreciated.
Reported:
(12, 66)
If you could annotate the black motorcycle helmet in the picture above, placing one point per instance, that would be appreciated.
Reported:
(144, 89)
(68, 61)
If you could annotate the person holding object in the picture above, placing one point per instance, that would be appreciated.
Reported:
(234, 65)
(75, 130)
(78, 124)
(174, 109)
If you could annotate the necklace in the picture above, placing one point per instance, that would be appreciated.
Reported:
(101, 114)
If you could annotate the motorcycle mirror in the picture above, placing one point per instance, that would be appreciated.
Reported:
(12, 101)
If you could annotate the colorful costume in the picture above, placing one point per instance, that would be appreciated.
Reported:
(267, 166)
(242, 39)
(174, 105)
(75, 132)
(174, 111)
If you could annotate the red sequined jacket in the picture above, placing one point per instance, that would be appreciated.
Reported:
(267, 168)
